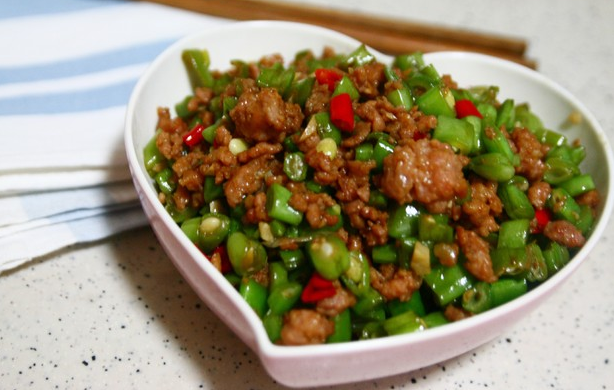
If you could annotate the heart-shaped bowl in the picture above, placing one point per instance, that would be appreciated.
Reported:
(165, 83)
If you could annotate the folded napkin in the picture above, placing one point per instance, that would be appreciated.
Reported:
(66, 75)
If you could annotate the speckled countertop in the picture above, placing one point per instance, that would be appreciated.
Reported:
(118, 315)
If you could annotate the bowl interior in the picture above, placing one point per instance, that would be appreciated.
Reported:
(165, 83)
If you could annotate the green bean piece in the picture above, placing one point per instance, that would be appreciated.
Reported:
(359, 57)
(212, 231)
(277, 205)
(370, 304)
(197, 65)
(448, 283)
(292, 258)
(407, 322)
(277, 228)
(520, 182)
(182, 109)
(246, 255)
(403, 221)
(433, 102)
(435, 228)
(478, 298)
(378, 199)
(212, 190)
(492, 166)
(586, 219)
(343, 328)
(326, 128)
(456, 132)
(405, 249)
(578, 185)
(346, 85)
(476, 124)
(255, 294)
(414, 304)
(329, 255)
(190, 228)
(295, 166)
(564, 206)
(505, 290)
(435, 319)
(495, 142)
(509, 261)
(179, 215)
(272, 325)
(284, 296)
(549, 137)
(538, 269)
(384, 254)
(489, 115)
(555, 256)
(278, 275)
(154, 159)
(372, 330)
(413, 61)
(527, 119)
(165, 181)
(514, 233)
(364, 152)
(515, 202)
(506, 114)
(559, 170)
(357, 278)
(210, 131)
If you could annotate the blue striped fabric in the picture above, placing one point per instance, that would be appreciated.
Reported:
(17, 8)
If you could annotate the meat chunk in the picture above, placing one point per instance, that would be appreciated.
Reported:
(564, 233)
(426, 171)
(477, 252)
(531, 153)
(394, 282)
(263, 116)
(336, 304)
(305, 326)
(483, 207)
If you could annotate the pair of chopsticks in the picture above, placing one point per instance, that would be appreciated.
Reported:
(387, 35)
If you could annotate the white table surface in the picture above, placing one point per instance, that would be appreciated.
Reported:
(116, 314)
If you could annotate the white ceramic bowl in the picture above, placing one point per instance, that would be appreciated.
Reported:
(165, 83)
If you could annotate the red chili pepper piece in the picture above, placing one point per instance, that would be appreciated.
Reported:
(465, 107)
(542, 217)
(317, 289)
(194, 136)
(328, 77)
(342, 112)
(226, 266)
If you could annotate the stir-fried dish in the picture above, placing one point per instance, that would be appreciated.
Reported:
(349, 199)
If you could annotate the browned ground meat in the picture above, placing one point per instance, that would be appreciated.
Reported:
(531, 153)
(426, 171)
(590, 198)
(453, 313)
(368, 78)
(370, 222)
(477, 252)
(305, 326)
(318, 100)
(263, 115)
(394, 282)
(315, 206)
(538, 194)
(564, 233)
(355, 184)
(483, 207)
(255, 208)
(334, 305)
(446, 253)
(246, 180)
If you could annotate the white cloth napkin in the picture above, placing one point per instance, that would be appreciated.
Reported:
(66, 75)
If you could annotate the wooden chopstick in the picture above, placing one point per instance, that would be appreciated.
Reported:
(387, 35)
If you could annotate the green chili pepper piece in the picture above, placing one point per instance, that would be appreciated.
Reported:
(495, 142)
(555, 256)
(433, 102)
(403, 221)
(448, 283)
(457, 133)
(197, 64)
(407, 322)
(211, 190)
(509, 261)
(190, 228)
(343, 328)
(277, 205)
(295, 166)
(378, 199)
(246, 255)
(405, 251)
(359, 57)
(381, 150)
(413, 61)
(538, 269)
(212, 231)
(164, 180)
(478, 298)
(578, 185)
(300, 91)
(179, 216)
(276, 77)
(182, 109)
(383, 254)
(434, 228)
(564, 206)
(369, 304)
(278, 275)
(326, 128)
(549, 137)
(515, 202)
(357, 278)
(514, 233)
(292, 259)
(476, 124)
(329, 255)
(492, 166)
(284, 296)
(364, 152)
(586, 219)
(559, 170)
(372, 330)
(346, 85)
(255, 294)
